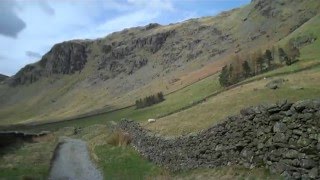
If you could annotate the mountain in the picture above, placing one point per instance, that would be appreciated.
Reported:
(81, 76)
(3, 77)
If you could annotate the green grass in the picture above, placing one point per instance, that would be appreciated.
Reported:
(24, 172)
(124, 163)
(173, 102)
(231, 172)
(28, 160)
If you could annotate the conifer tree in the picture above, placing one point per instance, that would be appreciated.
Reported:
(246, 69)
(224, 76)
(268, 58)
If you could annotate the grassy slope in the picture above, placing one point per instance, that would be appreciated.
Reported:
(217, 108)
(84, 92)
(230, 102)
(173, 102)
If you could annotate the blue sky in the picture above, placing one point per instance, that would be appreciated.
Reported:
(29, 28)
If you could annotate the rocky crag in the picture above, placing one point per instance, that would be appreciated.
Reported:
(168, 48)
(283, 137)
(63, 58)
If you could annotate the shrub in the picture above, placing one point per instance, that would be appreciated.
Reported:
(119, 138)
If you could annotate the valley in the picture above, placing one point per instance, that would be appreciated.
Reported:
(83, 89)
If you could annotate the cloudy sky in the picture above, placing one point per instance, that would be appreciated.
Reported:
(29, 28)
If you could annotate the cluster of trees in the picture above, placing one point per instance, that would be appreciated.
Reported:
(150, 100)
(290, 54)
(257, 63)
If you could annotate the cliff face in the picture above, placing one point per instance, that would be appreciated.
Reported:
(63, 58)
(282, 137)
(122, 57)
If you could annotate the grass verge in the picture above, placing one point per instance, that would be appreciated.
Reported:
(119, 162)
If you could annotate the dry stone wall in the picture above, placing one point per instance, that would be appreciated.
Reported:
(283, 137)
(8, 138)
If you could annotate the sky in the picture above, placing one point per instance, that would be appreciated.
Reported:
(29, 28)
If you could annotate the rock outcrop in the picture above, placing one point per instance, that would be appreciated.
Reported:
(63, 58)
(282, 137)
(122, 57)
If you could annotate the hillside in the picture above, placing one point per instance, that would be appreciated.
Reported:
(3, 77)
(81, 76)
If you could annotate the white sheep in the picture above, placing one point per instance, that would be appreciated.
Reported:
(151, 120)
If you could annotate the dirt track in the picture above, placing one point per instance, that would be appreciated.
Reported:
(72, 162)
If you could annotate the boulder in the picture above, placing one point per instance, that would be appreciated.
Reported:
(301, 105)
(275, 84)
(279, 127)
(291, 154)
(308, 163)
(313, 173)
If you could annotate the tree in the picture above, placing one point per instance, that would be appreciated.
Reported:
(293, 52)
(237, 69)
(150, 100)
(257, 61)
(268, 58)
(282, 55)
(246, 69)
(259, 64)
(273, 50)
(139, 103)
(231, 75)
(253, 64)
(224, 76)
(160, 96)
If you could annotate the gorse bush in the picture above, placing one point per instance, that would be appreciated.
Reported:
(150, 100)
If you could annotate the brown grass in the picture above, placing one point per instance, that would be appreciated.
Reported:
(119, 138)
(45, 138)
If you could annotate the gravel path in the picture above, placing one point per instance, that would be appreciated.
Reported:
(72, 162)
